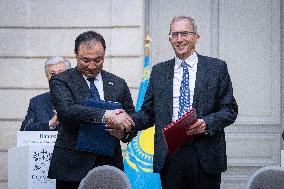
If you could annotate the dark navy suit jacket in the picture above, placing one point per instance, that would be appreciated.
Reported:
(39, 113)
(68, 90)
(213, 99)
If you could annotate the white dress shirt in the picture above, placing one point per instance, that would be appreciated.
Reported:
(99, 84)
(178, 72)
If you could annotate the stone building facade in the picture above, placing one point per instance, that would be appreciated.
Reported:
(248, 34)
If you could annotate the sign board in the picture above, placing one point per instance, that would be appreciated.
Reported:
(36, 137)
(28, 163)
(28, 167)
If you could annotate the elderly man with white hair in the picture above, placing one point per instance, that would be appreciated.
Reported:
(41, 115)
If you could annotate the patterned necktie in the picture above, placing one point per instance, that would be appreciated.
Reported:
(184, 98)
(93, 88)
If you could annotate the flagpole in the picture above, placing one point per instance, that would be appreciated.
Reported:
(147, 44)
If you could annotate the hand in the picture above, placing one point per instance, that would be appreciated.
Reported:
(116, 133)
(197, 128)
(54, 121)
(118, 119)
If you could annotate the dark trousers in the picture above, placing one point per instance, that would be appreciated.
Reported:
(183, 171)
(60, 184)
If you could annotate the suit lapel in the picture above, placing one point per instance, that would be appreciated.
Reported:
(108, 86)
(169, 73)
(200, 77)
(49, 108)
(80, 84)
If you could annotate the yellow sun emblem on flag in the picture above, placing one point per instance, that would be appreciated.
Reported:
(141, 150)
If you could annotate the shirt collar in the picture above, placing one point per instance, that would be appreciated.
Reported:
(97, 78)
(191, 61)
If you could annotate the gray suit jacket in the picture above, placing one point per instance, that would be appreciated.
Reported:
(213, 100)
(68, 90)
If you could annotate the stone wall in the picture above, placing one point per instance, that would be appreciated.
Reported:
(31, 31)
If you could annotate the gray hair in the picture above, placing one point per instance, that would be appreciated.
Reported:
(179, 18)
(56, 60)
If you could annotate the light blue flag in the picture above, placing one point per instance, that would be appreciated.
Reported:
(138, 161)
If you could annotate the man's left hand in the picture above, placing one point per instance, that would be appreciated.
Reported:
(197, 128)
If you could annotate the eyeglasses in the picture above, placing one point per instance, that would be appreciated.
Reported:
(89, 60)
(182, 34)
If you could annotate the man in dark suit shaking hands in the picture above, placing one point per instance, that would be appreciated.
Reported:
(41, 115)
(68, 90)
(189, 81)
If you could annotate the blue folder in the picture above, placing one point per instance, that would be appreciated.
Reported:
(93, 137)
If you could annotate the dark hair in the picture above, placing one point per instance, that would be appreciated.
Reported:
(89, 36)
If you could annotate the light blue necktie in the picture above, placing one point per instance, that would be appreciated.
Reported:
(184, 98)
(93, 88)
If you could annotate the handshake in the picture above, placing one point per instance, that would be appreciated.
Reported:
(118, 123)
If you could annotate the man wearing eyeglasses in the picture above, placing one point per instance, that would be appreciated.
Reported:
(187, 81)
(68, 90)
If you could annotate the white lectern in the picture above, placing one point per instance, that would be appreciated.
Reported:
(28, 163)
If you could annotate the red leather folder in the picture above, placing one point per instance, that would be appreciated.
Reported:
(175, 133)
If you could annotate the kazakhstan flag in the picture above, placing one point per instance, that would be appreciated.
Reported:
(138, 161)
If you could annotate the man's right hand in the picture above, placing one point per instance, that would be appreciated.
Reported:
(53, 122)
(118, 119)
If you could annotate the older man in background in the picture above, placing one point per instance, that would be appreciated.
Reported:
(41, 115)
